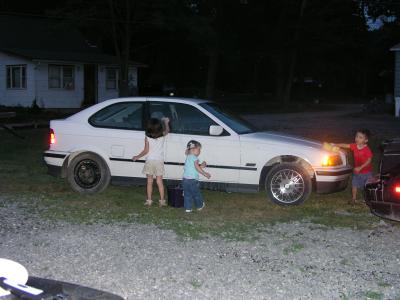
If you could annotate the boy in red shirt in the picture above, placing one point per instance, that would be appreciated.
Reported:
(362, 160)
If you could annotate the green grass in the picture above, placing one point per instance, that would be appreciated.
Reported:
(196, 283)
(233, 216)
(374, 295)
(294, 248)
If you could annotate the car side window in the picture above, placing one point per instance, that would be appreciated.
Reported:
(123, 115)
(184, 118)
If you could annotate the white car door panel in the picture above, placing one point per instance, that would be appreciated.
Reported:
(118, 131)
(222, 153)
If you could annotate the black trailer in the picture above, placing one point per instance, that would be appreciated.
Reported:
(382, 194)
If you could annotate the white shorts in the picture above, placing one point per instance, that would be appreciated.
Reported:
(153, 167)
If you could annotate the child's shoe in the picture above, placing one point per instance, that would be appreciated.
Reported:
(162, 203)
(188, 210)
(352, 202)
(148, 202)
(200, 208)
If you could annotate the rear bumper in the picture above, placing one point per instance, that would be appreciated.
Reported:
(53, 170)
(332, 180)
(386, 210)
(54, 162)
(378, 202)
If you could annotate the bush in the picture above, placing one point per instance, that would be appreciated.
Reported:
(35, 109)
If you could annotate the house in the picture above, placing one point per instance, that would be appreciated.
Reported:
(50, 63)
(396, 49)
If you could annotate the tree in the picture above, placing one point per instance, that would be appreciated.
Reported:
(121, 33)
(117, 22)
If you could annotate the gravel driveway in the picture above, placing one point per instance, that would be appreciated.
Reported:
(287, 261)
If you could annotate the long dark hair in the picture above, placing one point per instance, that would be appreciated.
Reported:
(154, 128)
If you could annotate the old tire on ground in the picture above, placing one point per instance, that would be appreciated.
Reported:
(88, 173)
(288, 184)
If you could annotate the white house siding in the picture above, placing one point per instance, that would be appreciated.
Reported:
(16, 97)
(59, 98)
(105, 94)
(37, 85)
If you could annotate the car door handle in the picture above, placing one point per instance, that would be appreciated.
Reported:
(250, 164)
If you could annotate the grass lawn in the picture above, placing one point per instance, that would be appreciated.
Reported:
(237, 216)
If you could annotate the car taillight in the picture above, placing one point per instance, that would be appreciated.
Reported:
(52, 137)
(397, 189)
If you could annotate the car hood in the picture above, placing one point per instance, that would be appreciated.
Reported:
(271, 137)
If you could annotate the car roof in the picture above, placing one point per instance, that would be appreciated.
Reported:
(155, 98)
(94, 108)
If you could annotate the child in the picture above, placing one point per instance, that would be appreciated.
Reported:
(362, 160)
(191, 189)
(154, 165)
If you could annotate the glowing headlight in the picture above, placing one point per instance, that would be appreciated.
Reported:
(331, 160)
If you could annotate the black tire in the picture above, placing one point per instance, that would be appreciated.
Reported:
(88, 173)
(288, 184)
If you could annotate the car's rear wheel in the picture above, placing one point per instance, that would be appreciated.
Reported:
(288, 184)
(88, 173)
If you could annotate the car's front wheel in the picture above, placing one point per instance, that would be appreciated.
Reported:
(288, 184)
(88, 173)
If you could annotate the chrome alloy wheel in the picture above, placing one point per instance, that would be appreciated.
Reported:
(287, 186)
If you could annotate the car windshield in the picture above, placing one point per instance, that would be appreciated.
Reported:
(237, 124)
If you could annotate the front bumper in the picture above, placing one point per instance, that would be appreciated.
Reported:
(331, 187)
(378, 202)
(331, 180)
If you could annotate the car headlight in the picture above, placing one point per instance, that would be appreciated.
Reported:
(331, 160)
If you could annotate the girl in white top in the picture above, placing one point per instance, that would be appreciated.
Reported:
(154, 149)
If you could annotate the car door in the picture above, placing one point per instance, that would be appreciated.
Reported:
(174, 154)
(118, 130)
(187, 122)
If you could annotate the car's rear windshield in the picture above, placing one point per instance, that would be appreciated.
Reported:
(236, 123)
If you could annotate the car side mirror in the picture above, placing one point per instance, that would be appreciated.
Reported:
(216, 130)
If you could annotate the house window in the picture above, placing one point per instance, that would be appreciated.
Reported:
(112, 76)
(16, 77)
(61, 77)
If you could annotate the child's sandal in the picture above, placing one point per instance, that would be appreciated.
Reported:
(148, 202)
(163, 203)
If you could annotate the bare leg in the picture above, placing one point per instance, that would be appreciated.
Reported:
(160, 185)
(354, 193)
(149, 187)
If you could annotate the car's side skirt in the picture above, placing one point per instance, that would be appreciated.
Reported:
(214, 186)
(247, 168)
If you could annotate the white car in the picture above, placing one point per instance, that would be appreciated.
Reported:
(96, 146)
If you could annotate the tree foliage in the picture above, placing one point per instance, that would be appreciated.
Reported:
(267, 48)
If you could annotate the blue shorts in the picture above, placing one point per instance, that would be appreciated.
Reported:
(359, 180)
